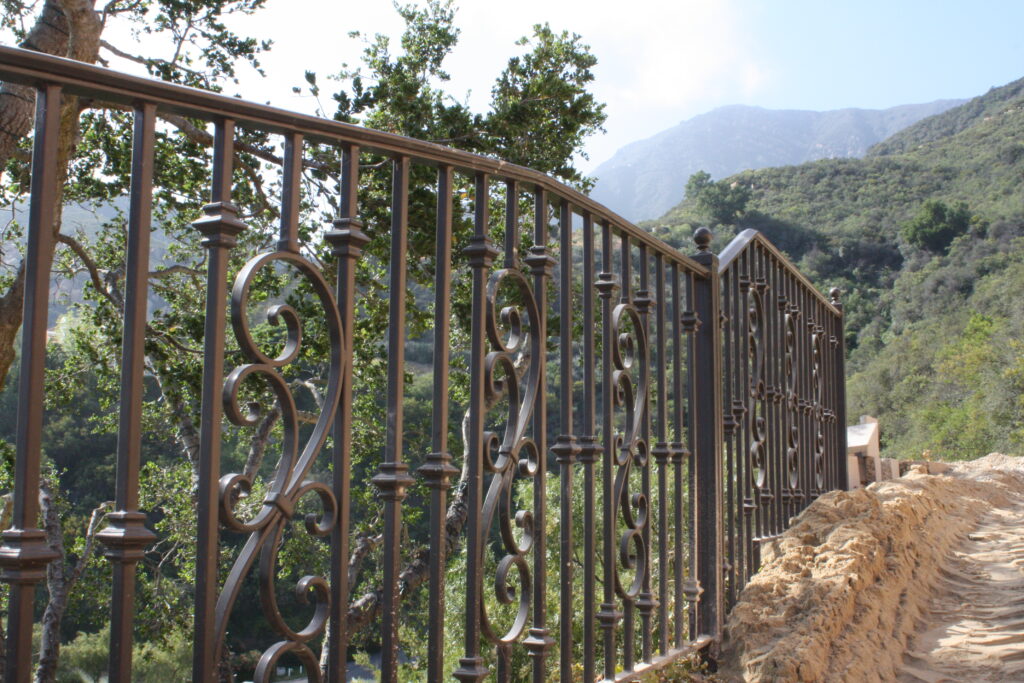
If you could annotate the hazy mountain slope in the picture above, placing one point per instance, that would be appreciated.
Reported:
(951, 122)
(936, 335)
(646, 178)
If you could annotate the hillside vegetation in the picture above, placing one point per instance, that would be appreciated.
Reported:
(925, 235)
(646, 178)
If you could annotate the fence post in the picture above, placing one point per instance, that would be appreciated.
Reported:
(840, 386)
(707, 440)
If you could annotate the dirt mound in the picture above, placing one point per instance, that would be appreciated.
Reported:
(843, 592)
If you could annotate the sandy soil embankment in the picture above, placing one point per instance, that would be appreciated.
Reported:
(916, 579)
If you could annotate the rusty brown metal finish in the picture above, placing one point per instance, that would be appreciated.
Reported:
(702, 394)
(481, 253)
(126, 535)
(541, 263)
(347, 241)
(25, 552)
(220, 228)
(566, 447)
(438, 470)
(590, 449)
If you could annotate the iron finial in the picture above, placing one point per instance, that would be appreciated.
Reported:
(834, 294)
(702, 237)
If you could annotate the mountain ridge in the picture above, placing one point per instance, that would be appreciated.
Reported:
(646, 178)
(934, 331)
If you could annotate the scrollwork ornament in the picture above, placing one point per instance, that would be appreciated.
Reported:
(816, 388)
(793, 439)
(290, 482)
(511, 376)
(631, 386)
(757, 394)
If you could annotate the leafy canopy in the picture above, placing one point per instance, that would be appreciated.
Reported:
(936, 225)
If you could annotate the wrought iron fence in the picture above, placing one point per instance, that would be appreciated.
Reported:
(637, 421)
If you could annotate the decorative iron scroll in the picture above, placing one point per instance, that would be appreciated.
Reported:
(517, 453)
(792, 450)
(629, 356)
(792, 403)
(758, 424)
(289, 485)
(818, 408)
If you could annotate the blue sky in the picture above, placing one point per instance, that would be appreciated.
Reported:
(878, 54)
(662, 61)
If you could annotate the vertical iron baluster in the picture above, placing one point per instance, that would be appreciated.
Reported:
(347, 241)
(835, 295)
(608, 615)
(800, 357)
(392, 478)
(775, 303)
(645, 601)
(757, 400)
(785, 315)
(290, 191)
(126, 535)
(831, 342)
(745, 283)
(729, 427)
(589, 449)
(626, 299)
(771, 355)
(827, 338)
(510, 261)
(692, 588)
(807, 436)
(831, 457)
(481, 253)
(706, 459)
(566, 447)
(220, 227)
(789, 492)
(25, 552)
(541, 263)
(798, 414)
(438, 470)
(822, 412)
(739, 411)
(677, 454)
(661, 454)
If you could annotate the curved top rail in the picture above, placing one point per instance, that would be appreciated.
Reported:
(32, 68)
(748, 237)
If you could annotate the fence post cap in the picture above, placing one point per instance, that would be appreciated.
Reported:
(702, 238)
(834, 294)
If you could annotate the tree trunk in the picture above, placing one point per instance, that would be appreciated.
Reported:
(68, 28)
(60, 580)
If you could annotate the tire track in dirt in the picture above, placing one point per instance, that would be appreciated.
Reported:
(918, 579)
(973, 630)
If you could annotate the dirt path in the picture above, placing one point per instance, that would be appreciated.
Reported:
(919, 579)
(973, 629)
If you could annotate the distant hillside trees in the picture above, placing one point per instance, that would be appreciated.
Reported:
(936, 225)
(721, 202)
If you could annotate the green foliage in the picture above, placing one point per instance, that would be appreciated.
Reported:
(84, 659)
(721, 202)
(542, 111)
(936, 225)
(894, 232)
(540, 115)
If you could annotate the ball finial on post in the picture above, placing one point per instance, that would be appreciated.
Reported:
(702, 238)
(834, 294)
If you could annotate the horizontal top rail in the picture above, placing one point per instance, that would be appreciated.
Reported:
(32, 68)
(748, 237)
